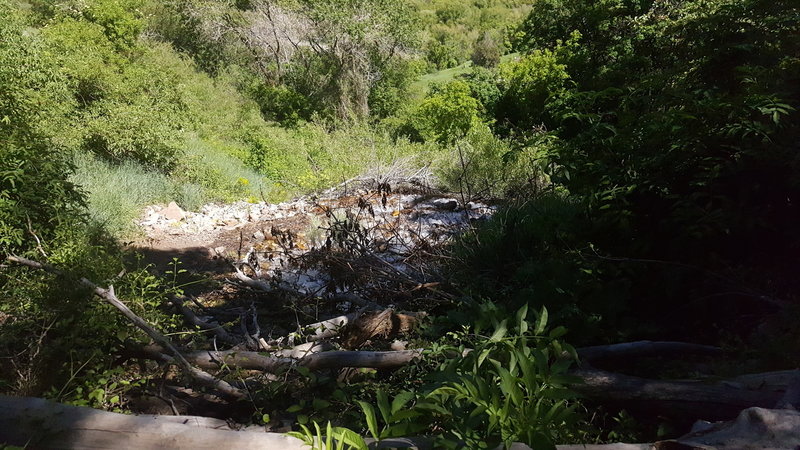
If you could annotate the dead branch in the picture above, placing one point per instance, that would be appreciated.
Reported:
(212, 360)
(192, 319)
(110, 297)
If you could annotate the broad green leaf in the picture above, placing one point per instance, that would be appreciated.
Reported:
(403, 415)
(383, 406)
(500, 332)
(522, 313)
(541, 322)
(372, 420)
(400, 400)
(320, 404)
(351, 438)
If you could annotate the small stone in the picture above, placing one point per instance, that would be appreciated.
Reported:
(398, 345)
(240, 214)
(259, 236)
(173, 212)
(447, 204)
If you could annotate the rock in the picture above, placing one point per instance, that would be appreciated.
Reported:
(398, 345)
(240, 214)
(173, 212)
(220, 251)
(259, 236)
(447, 204)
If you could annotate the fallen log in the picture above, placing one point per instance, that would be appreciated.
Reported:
(717, 401)
(640, 349)
(38, 423)
(214, 360)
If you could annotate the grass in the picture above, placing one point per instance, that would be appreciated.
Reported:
(117, 193)
(420, 87)
(296, 161)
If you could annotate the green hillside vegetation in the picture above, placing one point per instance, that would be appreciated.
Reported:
(644, 153)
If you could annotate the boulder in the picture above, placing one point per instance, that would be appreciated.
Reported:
(173, 212)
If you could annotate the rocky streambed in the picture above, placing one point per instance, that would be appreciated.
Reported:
(369, 243)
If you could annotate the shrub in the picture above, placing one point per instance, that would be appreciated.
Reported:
(484, 166)
(487, 51)
(35, 194)
(119, 131)
(530, 83)
(447, 114)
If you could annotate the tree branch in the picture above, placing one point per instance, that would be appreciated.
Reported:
(110, 297)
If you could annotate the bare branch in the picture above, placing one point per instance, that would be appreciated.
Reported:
(110, 297)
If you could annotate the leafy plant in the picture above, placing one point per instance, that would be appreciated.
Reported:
(511, 387)
(338, 438)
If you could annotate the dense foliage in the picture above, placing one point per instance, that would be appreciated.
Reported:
(645, 154)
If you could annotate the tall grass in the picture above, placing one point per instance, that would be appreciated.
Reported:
(118, 193)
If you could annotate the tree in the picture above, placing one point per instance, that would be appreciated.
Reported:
(35, 193)
(486, 52)
(335, 52)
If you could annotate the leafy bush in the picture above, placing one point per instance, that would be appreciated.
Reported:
(530, 83)
(512, 387)
(448, 113)
(123, 131)
(484, 87)
(509, 386)
(35, 194)
(484, 166)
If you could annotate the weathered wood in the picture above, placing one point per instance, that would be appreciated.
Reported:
(192, 319)
(640, 349)
(110, 297)
(717, 401)
(791, 399)
(38, 423)
(212, 360)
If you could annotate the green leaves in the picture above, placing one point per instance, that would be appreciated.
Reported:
(334, 438)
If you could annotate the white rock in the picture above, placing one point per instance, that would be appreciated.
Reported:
(173, 212)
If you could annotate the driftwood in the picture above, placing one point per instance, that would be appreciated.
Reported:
(110, 297)
(37, 423)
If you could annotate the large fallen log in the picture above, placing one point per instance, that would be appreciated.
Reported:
(37, 423)
(640, 349)
(695, 399)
